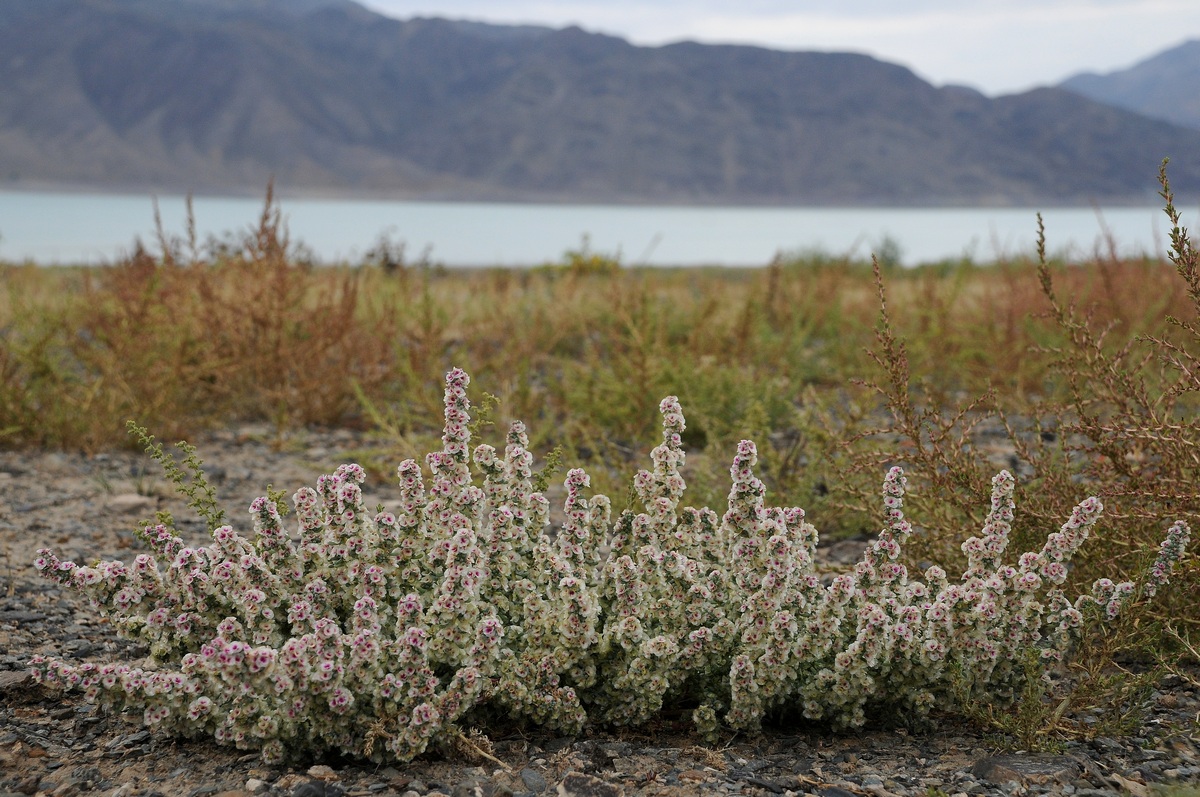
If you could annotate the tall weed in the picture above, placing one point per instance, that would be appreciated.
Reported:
(1115, 415)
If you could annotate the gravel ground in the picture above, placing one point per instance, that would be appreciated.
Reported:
(86, 507)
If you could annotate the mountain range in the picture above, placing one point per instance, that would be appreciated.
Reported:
(1165, 86)
(324, 96)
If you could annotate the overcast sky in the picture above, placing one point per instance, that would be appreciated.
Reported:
(996, 46)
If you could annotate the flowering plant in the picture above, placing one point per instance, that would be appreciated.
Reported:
(373, 635)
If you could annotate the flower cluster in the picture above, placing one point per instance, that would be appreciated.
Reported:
(1169, 553)
(372, 635)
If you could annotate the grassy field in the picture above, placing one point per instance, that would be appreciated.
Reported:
(1083, 378)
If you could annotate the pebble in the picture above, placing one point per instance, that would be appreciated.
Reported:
(533, 780)
(318, 788)
(204, 791)
(322, 772)
(1025, 770)
(132, 504)
(578, 784)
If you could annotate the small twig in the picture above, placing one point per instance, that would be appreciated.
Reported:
(1190, 648)
(462, 739)
(820, 784)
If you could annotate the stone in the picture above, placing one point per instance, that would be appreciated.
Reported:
(204, 791)
(533, 780)
(844, 552)
(317, 788)
(1025, 770)
(28, 785)
(68, 789)
(322, 772)
(254, 785)
(289, 781)
(1133, 787)
(132, 504)
(765, 783)
(15, 680)
(560, 743)
(616, 749)
(577, 784)
(480, 789)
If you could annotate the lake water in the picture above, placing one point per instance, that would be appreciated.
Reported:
(49, 228)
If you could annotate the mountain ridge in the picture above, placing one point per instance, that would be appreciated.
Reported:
(216, 97)
(1162, 86)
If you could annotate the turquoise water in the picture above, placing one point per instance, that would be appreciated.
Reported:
(49, 228)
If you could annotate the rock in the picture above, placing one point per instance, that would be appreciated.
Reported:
(835, 791)
(317, 788)
(15, 680)
(215, 474)
(1025, 770)
(844, 552)
(68, 789)
(254, 785)
(28, 785)
(132, 504)
(289, 781)
(21, 616)
(322, 772)
(1131, 786)
(204, 791)
(533, 780)
(481, 789)
(765, 783)
(577, 784)
(560, 743)
(616, 749)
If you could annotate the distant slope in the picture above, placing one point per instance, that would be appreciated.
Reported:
(218, 96)
(1166, 86)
